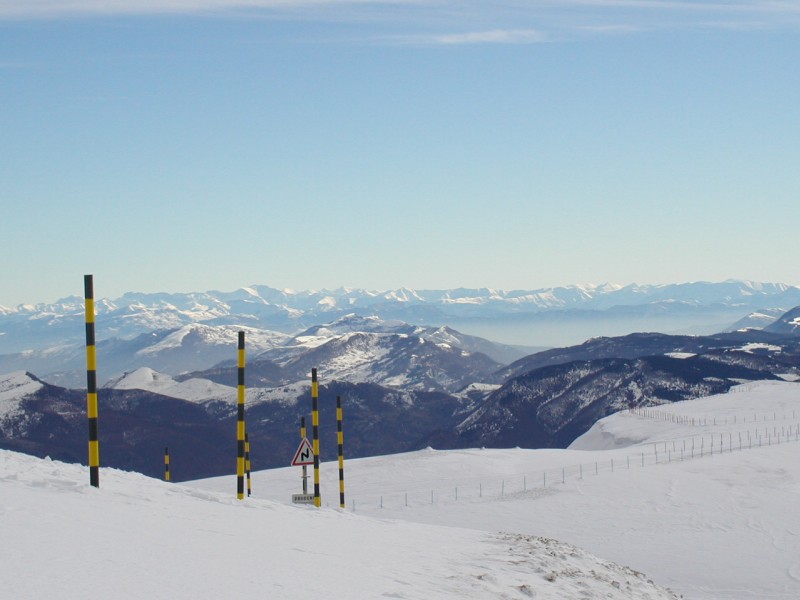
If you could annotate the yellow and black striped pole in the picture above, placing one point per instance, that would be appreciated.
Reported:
(91, 383)
(166, 464)
(240, 422)
(315, 433)
(247, 462)
(340, 436)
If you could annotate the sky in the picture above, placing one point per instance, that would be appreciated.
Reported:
(190, 145)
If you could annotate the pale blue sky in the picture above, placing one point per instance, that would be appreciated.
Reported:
(188, 145)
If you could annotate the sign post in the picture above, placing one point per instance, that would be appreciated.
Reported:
(305, 467)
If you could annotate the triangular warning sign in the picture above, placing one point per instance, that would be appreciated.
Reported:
(304, 454)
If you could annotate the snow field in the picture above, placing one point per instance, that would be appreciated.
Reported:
(136, 537)
(721, 526)
(718, 527)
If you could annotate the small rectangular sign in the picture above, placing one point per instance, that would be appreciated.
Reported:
(302, 498)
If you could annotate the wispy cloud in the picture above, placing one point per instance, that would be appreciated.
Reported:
(56, 8)
(33, 8)
(455, 22)
(492, 36)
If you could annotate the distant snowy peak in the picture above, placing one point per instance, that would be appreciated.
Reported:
(757, 320)
(204, 306)
(46, 325)
(192, 390)
(198, 334)
(351, 323)
(200, 391)
(14, 388)
(18, 385)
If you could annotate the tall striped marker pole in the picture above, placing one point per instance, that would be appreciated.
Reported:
(340, 436)
(247, 462)
(91, 383)
(315, 433)
(240, 422)
(166, 464)
(305, 468)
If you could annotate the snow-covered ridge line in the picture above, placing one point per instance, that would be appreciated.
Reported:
(583, 311)
(210, 304)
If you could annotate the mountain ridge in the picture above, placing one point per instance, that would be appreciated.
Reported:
(36, 326)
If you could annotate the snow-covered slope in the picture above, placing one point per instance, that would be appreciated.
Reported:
(718, 527)
(787, 324)
(14, 388)
(136, 538)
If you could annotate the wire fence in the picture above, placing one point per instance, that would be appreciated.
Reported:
(694, 421)
(763, 430)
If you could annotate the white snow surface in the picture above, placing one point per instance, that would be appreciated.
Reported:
(136, 537)
(441, 524)
(759, 346)
(724, 526)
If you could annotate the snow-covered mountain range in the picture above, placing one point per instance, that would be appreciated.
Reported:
(351, 348)
(544, 317)
(401, 392)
